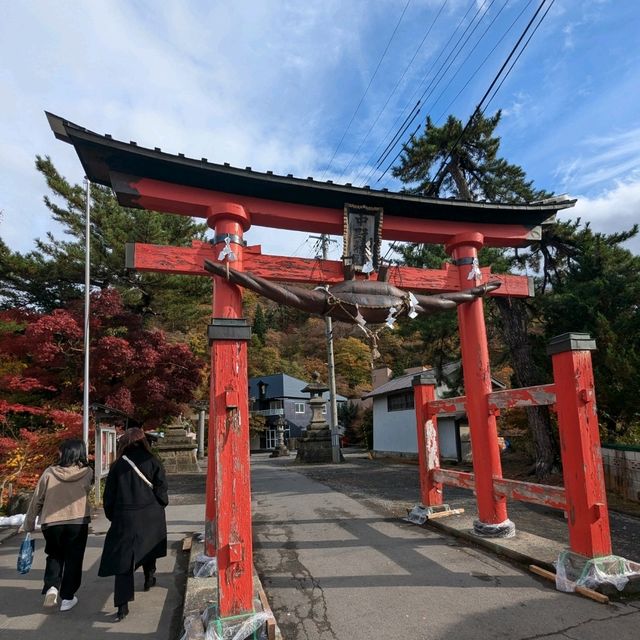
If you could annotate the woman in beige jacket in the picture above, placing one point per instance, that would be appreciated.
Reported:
(60, 502)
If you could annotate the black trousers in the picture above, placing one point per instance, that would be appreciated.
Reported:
(65, 546)
(123, 587)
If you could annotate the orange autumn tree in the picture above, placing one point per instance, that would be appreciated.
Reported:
(25, 452)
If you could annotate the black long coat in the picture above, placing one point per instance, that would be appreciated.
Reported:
(138, 530)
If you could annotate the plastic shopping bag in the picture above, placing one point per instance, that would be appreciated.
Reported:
(25, 555)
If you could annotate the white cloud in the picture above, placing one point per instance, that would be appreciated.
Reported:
(602, 159)
(235, 82)
(616, 209)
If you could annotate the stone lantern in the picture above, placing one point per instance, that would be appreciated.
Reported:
(281, 450)
(316, 445)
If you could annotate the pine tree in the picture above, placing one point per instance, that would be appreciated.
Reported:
(464, 163)
(52, 275)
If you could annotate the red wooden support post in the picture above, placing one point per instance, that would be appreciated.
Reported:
(228, 482)
(587, 511)
(428, 447)
(492, 509)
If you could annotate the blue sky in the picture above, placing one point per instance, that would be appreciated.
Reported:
(273, 85)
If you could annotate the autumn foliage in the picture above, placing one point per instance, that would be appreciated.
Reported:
(133, 369)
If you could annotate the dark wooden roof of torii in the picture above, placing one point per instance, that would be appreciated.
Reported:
(106, 160)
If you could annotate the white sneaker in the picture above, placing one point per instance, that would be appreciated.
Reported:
(51, 597)
(68, 604)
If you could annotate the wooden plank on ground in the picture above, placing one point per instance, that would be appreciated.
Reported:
(272, 626)
(583, 591)
(445, 514)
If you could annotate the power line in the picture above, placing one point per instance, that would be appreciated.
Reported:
(473, 75)
(426, 35)
(384, 53)
(383, 157)
(393, 127)
(404, 146)
(518, 56)
(470, 53)
(435, 81)
(479, 108)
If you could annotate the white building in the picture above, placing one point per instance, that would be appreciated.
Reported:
(394, 416)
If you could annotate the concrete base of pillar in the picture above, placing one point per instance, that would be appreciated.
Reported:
(280, 452)
(504, 529)
(315, 447)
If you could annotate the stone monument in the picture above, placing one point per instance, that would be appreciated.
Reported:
(177, 450)
(316, 445)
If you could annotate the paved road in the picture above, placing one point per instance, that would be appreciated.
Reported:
(391, 488)
(337, 563)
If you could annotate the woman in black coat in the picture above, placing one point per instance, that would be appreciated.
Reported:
(135, 497)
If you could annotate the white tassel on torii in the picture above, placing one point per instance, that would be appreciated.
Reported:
(475, 273)
(227, 252)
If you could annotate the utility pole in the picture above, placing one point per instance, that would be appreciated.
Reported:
(323, 243)
(87, 298)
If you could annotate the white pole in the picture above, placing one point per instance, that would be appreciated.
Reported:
(87, 263)
(201, 435)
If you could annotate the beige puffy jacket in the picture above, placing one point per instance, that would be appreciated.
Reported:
(60, 497)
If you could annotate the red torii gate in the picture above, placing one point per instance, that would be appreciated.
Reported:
(231, 200)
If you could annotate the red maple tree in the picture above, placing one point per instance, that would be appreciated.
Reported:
(138, 371)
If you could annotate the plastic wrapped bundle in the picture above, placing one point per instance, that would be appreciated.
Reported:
(238, 627)
(574, 570)
(204, 566)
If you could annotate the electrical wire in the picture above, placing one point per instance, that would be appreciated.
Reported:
(435, 81)
(518, 56)
(478, 109)
(475, 46)
(398, 135)
(473, 75)
(384, 53)
(441, 73)
(404, 146)
(426, 35)
(415, 93)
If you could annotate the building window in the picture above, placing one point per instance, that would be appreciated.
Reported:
(401, 401)
(299, 407)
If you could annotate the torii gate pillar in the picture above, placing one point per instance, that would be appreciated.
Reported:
(492, 509)
(228, 497)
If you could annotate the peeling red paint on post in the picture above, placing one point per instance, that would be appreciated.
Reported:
(543, 494)
(544, 394)
(492, 509)
(229, 422)
(588, 517)
(453, 478)
(428, 446)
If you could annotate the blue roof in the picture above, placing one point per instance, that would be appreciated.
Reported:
(281, 385)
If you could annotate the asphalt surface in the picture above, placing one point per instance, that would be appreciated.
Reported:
(391, 488)
(337, 562)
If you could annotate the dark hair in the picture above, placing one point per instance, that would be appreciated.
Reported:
(133, 437)
(73, 452)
